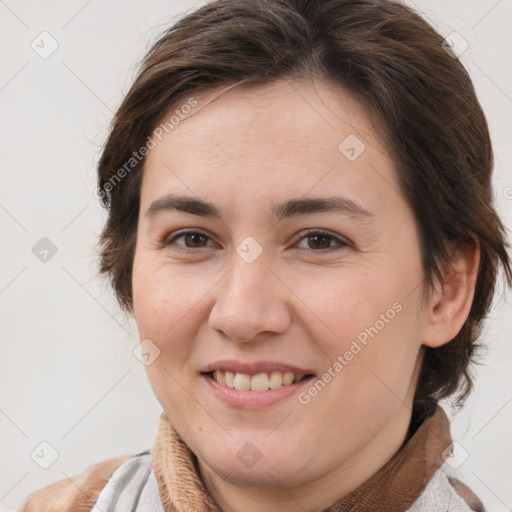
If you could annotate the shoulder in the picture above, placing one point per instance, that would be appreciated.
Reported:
(444, 492)
(77, 493)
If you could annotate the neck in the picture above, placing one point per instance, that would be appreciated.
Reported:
(316, 495)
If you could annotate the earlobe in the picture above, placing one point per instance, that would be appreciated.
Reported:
(451, 301)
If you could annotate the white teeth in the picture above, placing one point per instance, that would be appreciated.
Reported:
(220, 377)
(276, 380)
(287, 379)
(258, 382)
(242, 382)
(229, 378)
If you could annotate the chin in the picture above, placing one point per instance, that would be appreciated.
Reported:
(269, 474)
(260, 462)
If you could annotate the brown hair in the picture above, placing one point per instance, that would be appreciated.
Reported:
(394, 62)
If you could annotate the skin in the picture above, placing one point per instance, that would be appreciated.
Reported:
(301, 301)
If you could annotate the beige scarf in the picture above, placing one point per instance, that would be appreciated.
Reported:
(394, 487)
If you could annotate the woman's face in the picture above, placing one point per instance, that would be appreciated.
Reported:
(302, 265)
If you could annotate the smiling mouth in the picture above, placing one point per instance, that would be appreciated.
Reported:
(259, 382)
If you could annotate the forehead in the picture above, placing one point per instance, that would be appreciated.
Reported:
(308, 134)
(282, 113)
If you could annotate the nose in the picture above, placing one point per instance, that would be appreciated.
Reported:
(251, 300)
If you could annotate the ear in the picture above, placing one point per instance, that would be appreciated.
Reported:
(452, 298)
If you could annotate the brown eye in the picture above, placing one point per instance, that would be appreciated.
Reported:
(189, 240)
(194, 239)
(319, 241)
(322, 241)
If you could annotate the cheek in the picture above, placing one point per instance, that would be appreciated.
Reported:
(163, 295)
(347, 302)
(163, 308)
(373, 324)
(151, 303)
(170, 307)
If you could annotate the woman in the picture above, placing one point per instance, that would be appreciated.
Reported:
(300, 222)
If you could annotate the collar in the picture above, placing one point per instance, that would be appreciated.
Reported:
(394, 487)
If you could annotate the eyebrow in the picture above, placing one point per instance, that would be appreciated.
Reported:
(289, 208)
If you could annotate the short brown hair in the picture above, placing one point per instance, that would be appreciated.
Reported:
(394, 62)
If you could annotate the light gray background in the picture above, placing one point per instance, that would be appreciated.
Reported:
(68, 375)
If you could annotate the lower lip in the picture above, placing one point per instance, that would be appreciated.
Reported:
(253, 399)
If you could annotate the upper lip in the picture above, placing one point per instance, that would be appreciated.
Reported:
(253, 368)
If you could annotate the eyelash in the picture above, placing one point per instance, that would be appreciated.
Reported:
(167, 241)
